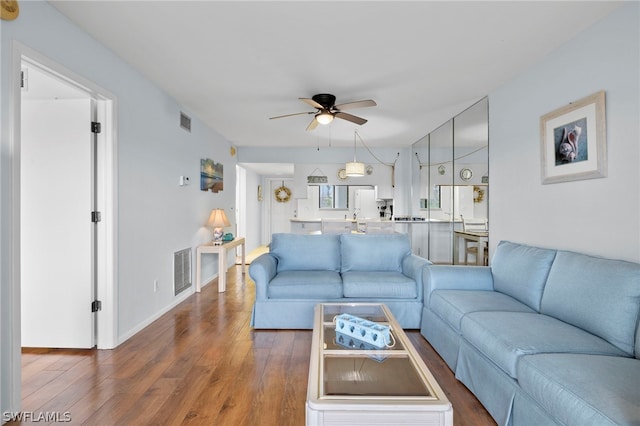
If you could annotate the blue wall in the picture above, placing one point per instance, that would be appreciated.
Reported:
(156, 216)
(597, 216)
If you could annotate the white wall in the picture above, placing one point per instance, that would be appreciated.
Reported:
(329, 160)
(597, 216)
(155, 216)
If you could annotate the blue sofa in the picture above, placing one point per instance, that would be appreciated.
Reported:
(300, 271)
(541, 337)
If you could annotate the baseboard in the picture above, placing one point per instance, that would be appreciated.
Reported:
(207, 281)
(181, 298)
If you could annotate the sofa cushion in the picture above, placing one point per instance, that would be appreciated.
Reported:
(584, 389)
(452, 305)
(378, 284)
(374, 252)
(599, 295)
(521, 271)
(306, 285)
(304, 252)
(504, 337)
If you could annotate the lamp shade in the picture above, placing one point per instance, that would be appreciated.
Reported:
(325, 117)
(354, 168)
(218, 219)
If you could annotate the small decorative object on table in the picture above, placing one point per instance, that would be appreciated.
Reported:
(367, 332)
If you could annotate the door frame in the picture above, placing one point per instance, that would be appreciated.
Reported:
(241, 203)
(106, 289)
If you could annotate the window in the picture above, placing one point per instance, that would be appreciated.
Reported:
(333, 197)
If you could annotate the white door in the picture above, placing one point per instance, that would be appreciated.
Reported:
(281, 211)
(56, 191)
(366, 204)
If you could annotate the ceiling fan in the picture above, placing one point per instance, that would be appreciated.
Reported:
(327, 110)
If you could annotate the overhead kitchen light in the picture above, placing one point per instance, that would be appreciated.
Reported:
(354, 168)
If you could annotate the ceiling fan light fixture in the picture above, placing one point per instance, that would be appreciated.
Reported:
(324, 117)
(354, 169)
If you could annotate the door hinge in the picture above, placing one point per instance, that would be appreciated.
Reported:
(96, 217)
(96, 306)
(95, 127)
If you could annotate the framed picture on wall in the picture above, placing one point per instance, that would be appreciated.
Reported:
(573, 141)
(211, 175)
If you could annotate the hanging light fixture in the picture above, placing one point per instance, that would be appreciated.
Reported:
(324, 117)
(354, 168)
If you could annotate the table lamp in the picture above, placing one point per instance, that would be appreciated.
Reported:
(217, 220)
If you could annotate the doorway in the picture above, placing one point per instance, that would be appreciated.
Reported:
(57, 192)
(100, 106)
(280, 207)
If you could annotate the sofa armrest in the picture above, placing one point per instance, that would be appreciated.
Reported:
(262, 270)
(449, 277)
(412, 267)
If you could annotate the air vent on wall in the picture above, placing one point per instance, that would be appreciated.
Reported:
(181, 270)
(185, 121)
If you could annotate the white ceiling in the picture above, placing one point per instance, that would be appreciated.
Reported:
(235, 64)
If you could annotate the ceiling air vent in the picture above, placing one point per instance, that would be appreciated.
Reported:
(185, 121)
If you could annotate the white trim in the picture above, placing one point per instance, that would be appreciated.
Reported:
(15, 358)
(241, 203)
(208, 281)
(266, 210)
(129, 334)
(107, 280)
(107, 327)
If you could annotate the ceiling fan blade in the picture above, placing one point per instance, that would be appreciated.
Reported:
(312, 125)
(291, 115)
(351, 118)
(312, 103)
(356, 104)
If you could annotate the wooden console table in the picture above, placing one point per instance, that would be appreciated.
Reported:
(221, 251)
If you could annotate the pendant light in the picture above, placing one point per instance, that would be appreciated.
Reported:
(354, 168)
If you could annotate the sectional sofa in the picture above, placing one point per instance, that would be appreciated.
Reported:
(300, 271)
(541, 337)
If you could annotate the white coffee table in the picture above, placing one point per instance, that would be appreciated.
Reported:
(369, 387)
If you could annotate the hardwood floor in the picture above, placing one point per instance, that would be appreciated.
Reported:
(199, 364)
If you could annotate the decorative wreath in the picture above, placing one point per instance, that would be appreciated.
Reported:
(283, 194)
(478, 194)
